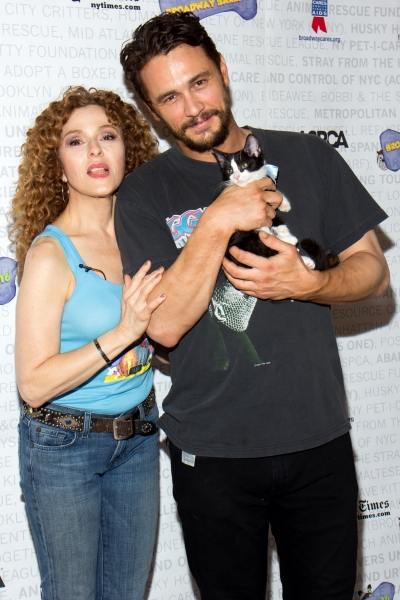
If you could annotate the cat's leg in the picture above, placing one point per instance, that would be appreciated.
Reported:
(308, 262)
(285, 205)
(282, 232)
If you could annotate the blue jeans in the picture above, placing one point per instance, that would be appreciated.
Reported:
(92, 505)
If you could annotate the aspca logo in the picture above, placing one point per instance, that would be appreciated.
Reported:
(334, 139)
(384, 591)
(247, 9)
(181, 226)
(390, 144)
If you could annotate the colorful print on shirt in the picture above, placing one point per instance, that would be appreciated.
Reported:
(131, 364)
(181, 226)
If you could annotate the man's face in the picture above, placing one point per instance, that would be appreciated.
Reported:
(188, 92)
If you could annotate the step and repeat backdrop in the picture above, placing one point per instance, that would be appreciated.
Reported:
(325, 67)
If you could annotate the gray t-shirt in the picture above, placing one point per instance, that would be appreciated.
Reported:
(253, 377)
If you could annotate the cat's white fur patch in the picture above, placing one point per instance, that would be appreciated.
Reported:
(282, 232)
(308, 262)
(285, 204)
(242, 178)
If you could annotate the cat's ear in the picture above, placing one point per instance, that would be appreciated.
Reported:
(220, 156)
(252, 147)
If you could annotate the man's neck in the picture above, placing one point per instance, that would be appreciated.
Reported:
(234, 142)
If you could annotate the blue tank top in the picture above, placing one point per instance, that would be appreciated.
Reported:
(93, 309)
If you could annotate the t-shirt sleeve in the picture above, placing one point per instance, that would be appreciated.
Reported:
(141, 232)
(349, 210)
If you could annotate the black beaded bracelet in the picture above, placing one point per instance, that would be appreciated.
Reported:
(99, 348)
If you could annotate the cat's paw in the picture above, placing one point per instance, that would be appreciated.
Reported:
(282, 232)
(285, 205)
(308, 262)
(266, 229)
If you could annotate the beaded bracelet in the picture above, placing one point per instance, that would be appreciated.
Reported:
(99, 348)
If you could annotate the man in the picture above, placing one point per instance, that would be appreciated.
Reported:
(253, 441)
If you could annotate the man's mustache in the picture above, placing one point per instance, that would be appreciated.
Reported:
(202, 117)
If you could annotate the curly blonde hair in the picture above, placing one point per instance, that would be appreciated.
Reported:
(39, 198)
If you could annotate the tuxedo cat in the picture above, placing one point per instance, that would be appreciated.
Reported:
(249, 165)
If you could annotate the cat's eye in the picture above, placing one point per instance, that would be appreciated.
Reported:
(229, 171)
(245, 165)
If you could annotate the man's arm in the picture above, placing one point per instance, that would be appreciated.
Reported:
(361, 273)
(189, 283)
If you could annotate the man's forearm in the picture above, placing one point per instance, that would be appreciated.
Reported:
(188, 285)
(361, 275)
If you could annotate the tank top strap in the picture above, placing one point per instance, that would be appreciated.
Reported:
(72, 255)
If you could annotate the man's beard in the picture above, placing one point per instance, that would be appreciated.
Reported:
(211, 140)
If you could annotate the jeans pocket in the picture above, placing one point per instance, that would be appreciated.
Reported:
(44, 437)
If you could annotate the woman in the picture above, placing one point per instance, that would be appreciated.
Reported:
(83, 366)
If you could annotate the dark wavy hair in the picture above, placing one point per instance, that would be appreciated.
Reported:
(39, 197)
(160, 35)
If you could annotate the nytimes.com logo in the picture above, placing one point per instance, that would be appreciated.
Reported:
(367, 509)
(107, 5)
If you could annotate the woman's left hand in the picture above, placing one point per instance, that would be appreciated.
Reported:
(136, 311)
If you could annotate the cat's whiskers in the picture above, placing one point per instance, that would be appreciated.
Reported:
(220, 187)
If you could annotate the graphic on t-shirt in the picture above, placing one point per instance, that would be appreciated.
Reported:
(181, 226)
(230, 312)
(229, 309)
(131, 364)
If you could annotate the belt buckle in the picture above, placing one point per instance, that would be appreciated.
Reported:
(125, 419)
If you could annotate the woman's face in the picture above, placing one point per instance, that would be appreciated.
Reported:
(92, 154)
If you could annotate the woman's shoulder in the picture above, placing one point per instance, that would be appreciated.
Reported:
(46, 259)
(47, 272)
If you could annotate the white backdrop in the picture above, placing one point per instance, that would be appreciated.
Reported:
(284, 75)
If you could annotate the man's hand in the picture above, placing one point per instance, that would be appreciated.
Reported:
(361, 273)
(236, 208)
(277, 278)
(244, 208)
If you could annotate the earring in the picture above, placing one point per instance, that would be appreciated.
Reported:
(62, 190)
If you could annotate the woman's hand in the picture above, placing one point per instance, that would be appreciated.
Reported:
(136, 311)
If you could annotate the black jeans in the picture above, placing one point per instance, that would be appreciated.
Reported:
(308, 497)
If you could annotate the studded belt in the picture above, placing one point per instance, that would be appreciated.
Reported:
(122, 428)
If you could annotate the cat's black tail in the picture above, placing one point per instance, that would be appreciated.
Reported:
(316, 252)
